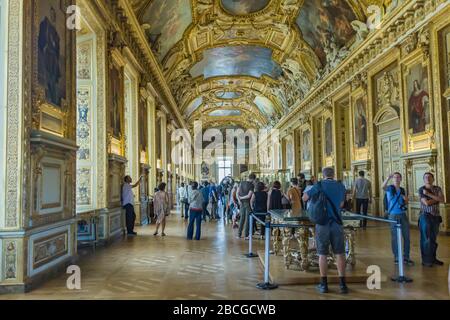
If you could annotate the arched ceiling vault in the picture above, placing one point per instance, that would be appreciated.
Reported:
(271, 52)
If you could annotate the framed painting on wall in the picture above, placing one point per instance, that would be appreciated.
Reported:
(116, 100)
(417, 98)
(328, 137)
(52, 62)
(306, 150)
(360, 124)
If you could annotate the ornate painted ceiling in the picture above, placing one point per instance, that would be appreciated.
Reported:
(247, 62)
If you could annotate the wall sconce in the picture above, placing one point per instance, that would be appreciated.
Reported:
(158, 164)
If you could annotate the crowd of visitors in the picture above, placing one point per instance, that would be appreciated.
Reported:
(233, 202)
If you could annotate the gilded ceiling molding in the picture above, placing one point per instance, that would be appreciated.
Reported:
(128, 33)
(403, 22)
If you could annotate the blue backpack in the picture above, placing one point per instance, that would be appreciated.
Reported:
(318, 212)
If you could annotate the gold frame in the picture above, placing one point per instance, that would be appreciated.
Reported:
(413, 140)
(43, 109)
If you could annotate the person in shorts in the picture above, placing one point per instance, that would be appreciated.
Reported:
(333, 232)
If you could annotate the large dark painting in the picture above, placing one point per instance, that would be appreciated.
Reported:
(360, 122)
(306, 146)
(322, 21)
(143, 126)
(328, 137)
(418, 99)
(116, 100)
(51, 46)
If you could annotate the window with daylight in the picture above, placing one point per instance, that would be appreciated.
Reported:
(225, 167)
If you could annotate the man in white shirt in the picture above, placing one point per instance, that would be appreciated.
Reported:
(128, 203)
(182, 198)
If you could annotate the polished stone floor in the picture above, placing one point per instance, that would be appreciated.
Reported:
(148, 267)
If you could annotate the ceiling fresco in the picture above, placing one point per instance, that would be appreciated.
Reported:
(243, 7)
(263, 55)
(265, 105)
(237, 60)
(167, 20)
(325, 23)
(225, 113)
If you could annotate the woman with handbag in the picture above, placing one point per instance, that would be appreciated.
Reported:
(162, 210)
(294, 196)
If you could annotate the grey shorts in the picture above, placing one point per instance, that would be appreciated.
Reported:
(330, 234)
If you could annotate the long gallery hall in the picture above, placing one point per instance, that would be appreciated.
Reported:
(224, 150)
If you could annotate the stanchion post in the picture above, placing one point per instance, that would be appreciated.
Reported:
(266, 285)
(250, 254)
(401, 272)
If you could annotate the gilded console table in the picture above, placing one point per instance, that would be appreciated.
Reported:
(300, 231)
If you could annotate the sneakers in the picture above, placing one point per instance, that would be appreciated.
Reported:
(438, 262)
(132, 234)
(322, 288)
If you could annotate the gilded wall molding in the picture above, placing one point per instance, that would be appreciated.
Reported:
(16, 149)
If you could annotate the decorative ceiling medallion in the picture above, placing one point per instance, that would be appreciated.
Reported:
(243, 7)
(251, 61)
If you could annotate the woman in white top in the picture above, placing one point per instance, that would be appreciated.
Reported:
(162, 210)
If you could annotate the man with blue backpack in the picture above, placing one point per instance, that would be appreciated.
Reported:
(396, 202)
(327, 199)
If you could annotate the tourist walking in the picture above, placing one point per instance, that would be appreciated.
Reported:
(244, 194)
(396, 202)
(331, 233)
(162, 210)
(430, 219)
(127, 197)
(183, 201)
(361, 193)
(195, 212)
(205, 193)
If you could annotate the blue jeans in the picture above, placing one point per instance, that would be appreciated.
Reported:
(186, 211)
(205, 211)
(194, 216)
(404, 222)
(429, 230)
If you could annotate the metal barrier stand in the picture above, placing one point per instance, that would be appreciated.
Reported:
(401, 271)
(266, 285)
(250, 253)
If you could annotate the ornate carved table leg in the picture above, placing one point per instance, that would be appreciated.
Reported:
(350, 241)
(276, 240)
(303, 242)
(287, 247)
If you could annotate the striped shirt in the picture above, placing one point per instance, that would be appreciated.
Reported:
(433, 209)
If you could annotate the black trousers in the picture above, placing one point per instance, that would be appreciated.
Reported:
(130, 217)
(364, 203)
